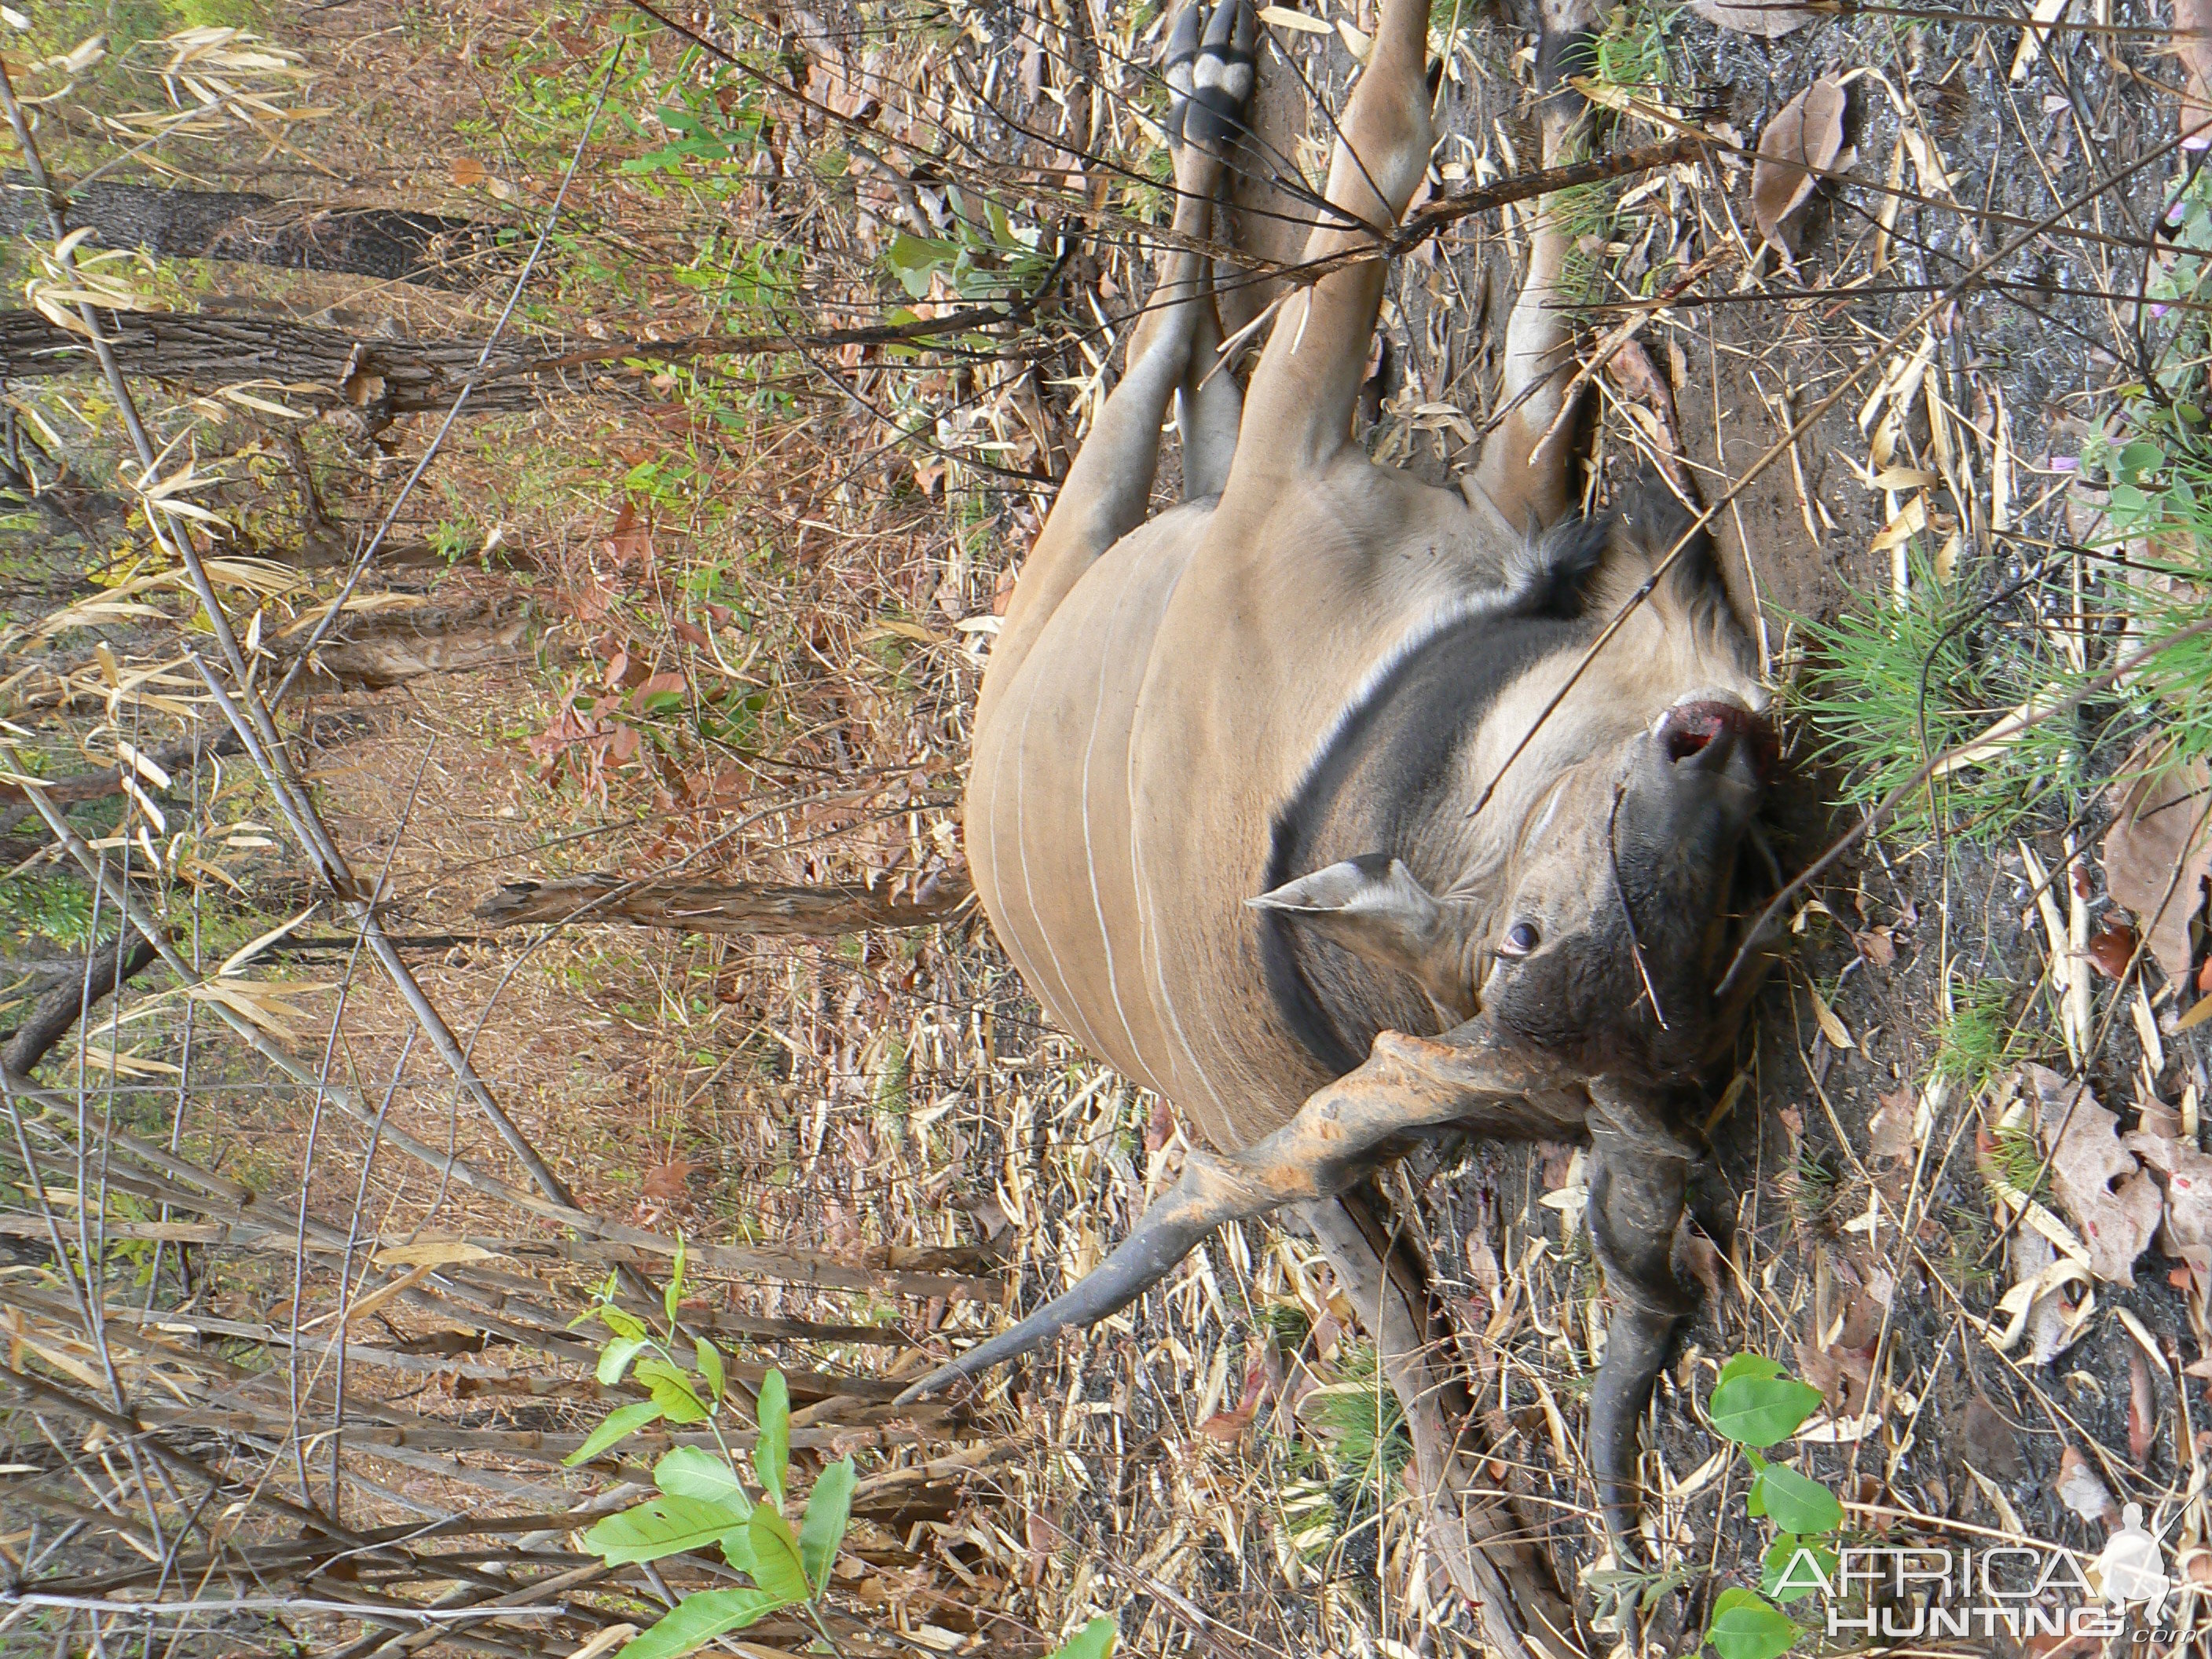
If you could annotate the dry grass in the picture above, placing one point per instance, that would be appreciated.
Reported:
(1194, 1467)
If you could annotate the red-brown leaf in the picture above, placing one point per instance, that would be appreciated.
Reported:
(668, 1180)
(2143, 1407)
(1876, 945)
(2111, 948)
(1802, 141)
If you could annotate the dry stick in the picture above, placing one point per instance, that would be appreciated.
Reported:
(1422, 222)
(139, 1434)
(758, 909)
(1781, 447)
(800, 1267)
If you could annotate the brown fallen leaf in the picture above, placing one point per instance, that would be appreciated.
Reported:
(1769, 23)
(2102, 1185)
(2187, 1233)
(2110, 949)
(1889, 1131)
(2156, 1118)
(1843, 1375)
(2143, 1407)
(2048, 1315)
(1877, 945)
(2196, 1568)
(2157, 852)
(1804, 139)
(2080, 1488)
(668, 1183)
(1991, 1444)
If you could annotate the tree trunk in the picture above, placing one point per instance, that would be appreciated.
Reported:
(366, 380)
(55, 1014)
(753, 907)
(386, 243)
(371, 650)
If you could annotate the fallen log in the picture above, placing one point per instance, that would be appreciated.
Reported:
(759, 908)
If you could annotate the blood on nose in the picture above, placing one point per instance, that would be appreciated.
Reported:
(1705, 736)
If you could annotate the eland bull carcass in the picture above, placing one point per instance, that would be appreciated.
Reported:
(1270, 806)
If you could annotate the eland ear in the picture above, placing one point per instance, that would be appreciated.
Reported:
(1375, 907)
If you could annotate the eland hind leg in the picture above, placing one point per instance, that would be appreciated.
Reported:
(1109, 487)
(1301, 396)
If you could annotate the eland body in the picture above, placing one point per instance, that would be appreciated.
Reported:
(1264, 779)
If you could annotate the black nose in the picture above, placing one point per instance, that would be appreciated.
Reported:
(1705, 737)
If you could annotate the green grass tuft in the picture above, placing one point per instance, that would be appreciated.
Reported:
(1974, 1039)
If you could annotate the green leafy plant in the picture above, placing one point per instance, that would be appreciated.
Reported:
(1755, 1406)
(706, 1500)
(985, 258)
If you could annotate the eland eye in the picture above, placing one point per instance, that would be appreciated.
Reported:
(1520, 939)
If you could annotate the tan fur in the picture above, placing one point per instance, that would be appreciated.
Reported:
(1147, 712)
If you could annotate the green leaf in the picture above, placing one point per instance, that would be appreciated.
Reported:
(772, 1451)
(672, 1392)
(622, 1421)
(1797, 1503)
(1749, 1365)
(776, 1563)
(829, 1508)
(615, 1359)
(694, 1471)
(674, 1294)
(2141, 457)
(1745, 1626)
(662, 1526)
(710, 1366)
(1094, 1641)
(698, 1619)
(1758, 1410)
(1795, 1567)
(622, 1321)
(738, 1550)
